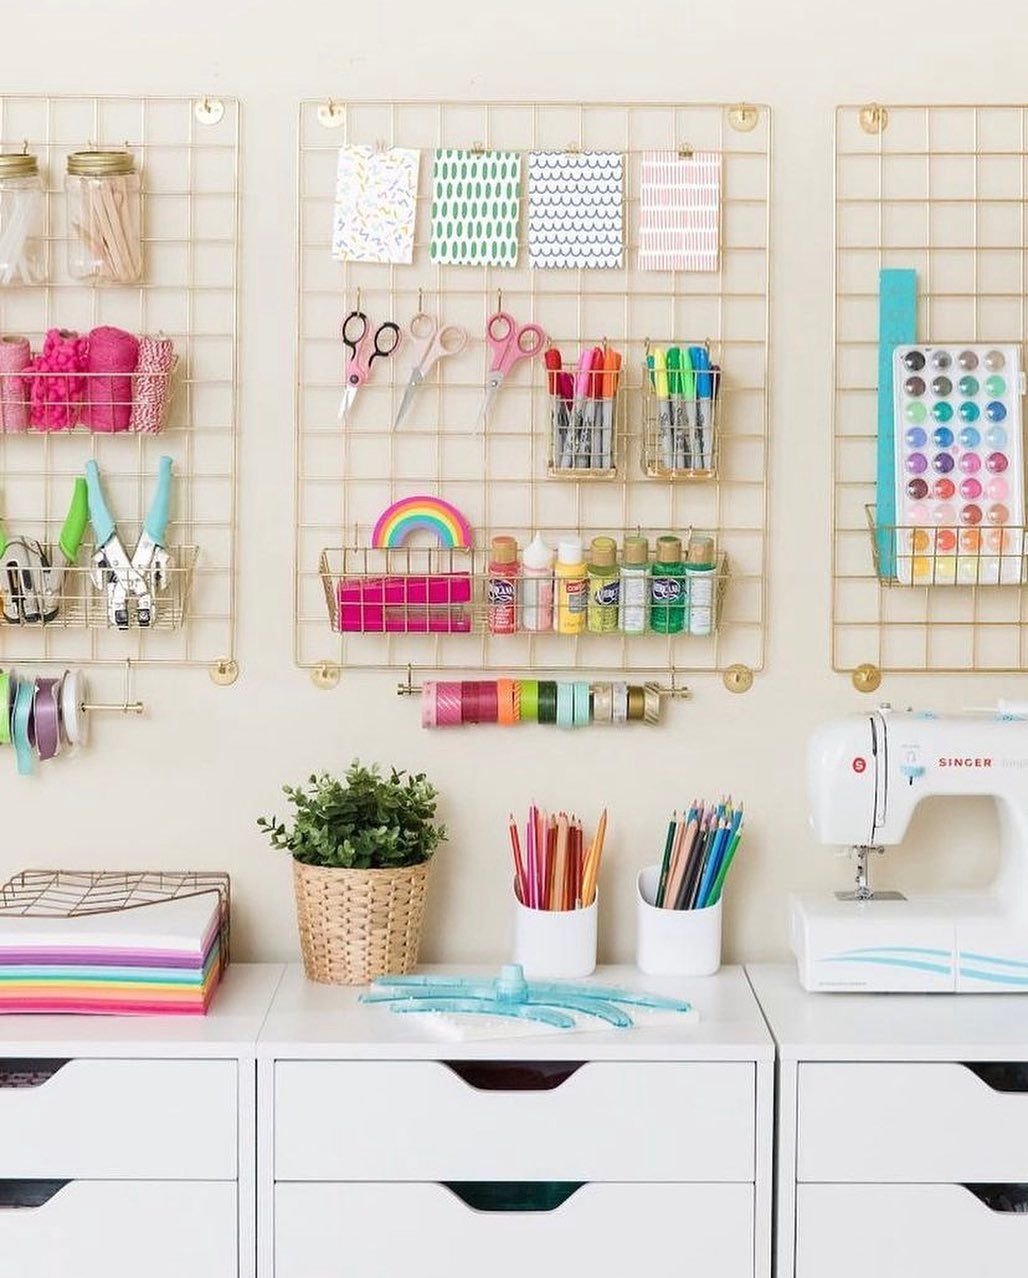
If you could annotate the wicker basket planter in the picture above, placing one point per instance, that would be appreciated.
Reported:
(358, 924)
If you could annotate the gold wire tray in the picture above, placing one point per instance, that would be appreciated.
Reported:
(76, 409)
(73, 893)
(81, 605)
(430, 591)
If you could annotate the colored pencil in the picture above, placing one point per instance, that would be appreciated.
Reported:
(665, 863)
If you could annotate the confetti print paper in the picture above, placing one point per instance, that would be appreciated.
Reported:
(575, 209)
(376, 198)
(476, 205)
(680, 219)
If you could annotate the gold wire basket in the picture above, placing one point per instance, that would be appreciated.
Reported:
(415, 590)
(77, 603)
(681, 437)
(921, 556)
(52, 403)
(64, 894)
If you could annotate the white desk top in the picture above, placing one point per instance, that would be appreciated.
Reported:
(890, 1027)
(230, 1027)
(309, 1021)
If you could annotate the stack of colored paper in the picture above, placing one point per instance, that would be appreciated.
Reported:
(156, 959)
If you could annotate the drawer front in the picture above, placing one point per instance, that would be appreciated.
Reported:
(334, 1231)
(121, 1229)
(114, 1119)
(899, 1231)
(908, 1122)
(421, 1120)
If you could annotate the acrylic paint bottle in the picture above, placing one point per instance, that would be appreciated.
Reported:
(668, 588)
(604, 586)
(701, 569)
(572, 587)
(537, 586)
(635, 586)
(502, 612)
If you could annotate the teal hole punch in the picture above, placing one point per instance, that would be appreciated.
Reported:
(510, 994)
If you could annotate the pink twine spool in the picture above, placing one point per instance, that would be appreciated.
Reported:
(447, 705)
(58, 389)
(113, 354)
(15, 357)
(151, 390)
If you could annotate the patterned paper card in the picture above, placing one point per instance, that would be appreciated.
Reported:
(680, 217)
(575, 209)
(476, 206)
(376, 199)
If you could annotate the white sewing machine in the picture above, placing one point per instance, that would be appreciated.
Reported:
(867, 773)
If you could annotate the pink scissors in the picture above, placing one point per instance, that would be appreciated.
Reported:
(508, 343)
(432, 341)
(364, 350)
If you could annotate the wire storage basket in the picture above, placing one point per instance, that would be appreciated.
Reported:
(957, 556)
(356, 925)
(681, 425)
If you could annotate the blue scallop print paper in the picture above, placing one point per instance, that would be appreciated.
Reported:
(476, 208)
(575, 209)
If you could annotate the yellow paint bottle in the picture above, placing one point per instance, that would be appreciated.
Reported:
(572, 588)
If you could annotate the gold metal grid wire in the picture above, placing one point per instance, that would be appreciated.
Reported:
(497, 474)
(940, 189)
(187, 151)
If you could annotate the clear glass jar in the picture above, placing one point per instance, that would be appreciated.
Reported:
(22, 221)
(105, 216)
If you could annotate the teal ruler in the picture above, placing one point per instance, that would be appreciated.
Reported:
(897, 326)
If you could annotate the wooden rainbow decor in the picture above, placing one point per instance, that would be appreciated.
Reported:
(415, 514)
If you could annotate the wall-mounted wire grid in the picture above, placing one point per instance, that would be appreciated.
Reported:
(187, 151)
(497, 473)
(942, 190)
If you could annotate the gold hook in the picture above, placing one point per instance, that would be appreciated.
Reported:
(499, 299)
(421, 301)
(685, 151)
(25, 147)
(358, 306)
(478, 148)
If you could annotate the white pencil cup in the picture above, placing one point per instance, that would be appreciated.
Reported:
(674, 942)
(555, 944)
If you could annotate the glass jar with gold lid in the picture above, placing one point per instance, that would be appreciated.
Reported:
(22, 220)
(105, 215)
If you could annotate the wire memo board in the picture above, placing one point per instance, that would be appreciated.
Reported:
(942, 190)
(187, 151)
(496, 474)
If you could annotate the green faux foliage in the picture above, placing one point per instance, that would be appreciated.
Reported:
(367, 822)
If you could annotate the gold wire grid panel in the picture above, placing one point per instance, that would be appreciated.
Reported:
(941, 190)
(496, 473)
(187, 152)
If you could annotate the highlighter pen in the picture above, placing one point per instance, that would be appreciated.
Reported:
(657, 363)
(688, 382)
(704, 407)
(676, 390)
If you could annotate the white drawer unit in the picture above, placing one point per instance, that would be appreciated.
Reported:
(386, 1148)
(337, 1230)
(118, 1119)
(119, 1229)
(479, 1120)
(128, 1144)
(902, 1137)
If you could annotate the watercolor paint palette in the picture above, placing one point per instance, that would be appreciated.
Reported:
(959, 465)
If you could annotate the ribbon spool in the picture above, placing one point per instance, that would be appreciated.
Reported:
(15, 357)
(447, 705)
(113, 356)
(151, 391)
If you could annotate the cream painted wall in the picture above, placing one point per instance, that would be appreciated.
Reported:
(183, 786)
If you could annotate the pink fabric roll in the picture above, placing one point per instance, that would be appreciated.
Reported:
(152, 384)
(15, 356)
(57, 392)
(113, 355)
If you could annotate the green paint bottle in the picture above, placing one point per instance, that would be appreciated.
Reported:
(604, 586)
(669, 590)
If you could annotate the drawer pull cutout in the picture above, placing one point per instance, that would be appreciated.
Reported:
(514, 1076)
(20, 1194)
(32, 1072)
(1001, 1076)
(513, 1195)
(1008, 1200)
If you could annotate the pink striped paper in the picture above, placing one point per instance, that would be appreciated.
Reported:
(680, 211)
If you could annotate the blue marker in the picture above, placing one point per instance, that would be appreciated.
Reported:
(704, 450)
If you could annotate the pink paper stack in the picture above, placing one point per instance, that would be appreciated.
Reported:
(429, 604)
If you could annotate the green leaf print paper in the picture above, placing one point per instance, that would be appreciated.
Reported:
(476, 206)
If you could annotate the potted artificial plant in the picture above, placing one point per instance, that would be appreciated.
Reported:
(361, 851)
